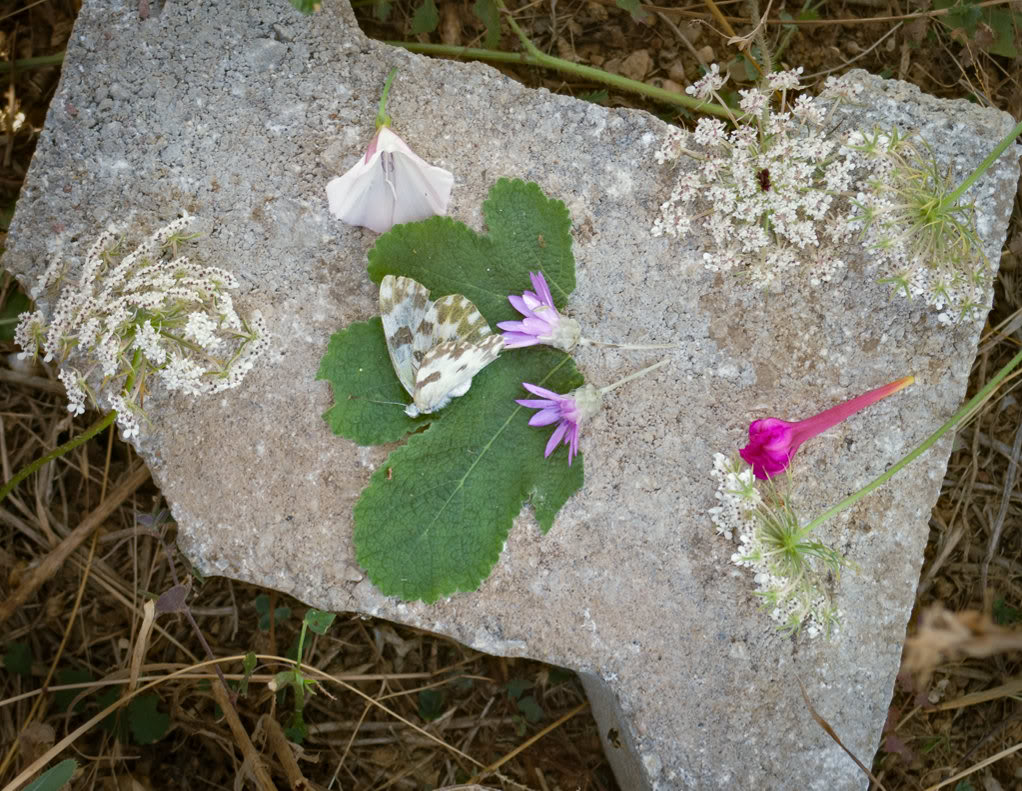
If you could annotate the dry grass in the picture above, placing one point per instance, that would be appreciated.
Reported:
(365, 725)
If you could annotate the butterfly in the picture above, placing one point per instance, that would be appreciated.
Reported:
(436, 347)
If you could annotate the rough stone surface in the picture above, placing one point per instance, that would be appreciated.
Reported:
(241, 113)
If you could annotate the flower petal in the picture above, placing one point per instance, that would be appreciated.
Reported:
(555, 438)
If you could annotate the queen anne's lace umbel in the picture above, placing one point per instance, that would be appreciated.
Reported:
(781, 191)
(127, 319)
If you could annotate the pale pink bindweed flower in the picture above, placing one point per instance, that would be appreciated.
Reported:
(391, 184)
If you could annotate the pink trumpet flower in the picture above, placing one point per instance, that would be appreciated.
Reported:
(773, 442)
(389, 185)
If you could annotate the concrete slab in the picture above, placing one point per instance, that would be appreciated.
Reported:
(240, 115)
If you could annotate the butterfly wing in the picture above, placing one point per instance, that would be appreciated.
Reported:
(408, 321)
(457, 319)
(447, 370)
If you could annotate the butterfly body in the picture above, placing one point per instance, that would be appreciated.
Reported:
(436, 347)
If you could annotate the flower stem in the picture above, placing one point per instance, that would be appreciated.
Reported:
(537, 58)
(951, 199)
(630, 377)
(929, 442)
(70, 445)
(382, 119)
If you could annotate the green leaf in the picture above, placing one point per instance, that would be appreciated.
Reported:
(381, 9)
(62, 698)
(262, 605)
(18, 658)
(487, 11)
(425, 19)
(634, 7)
(306, 6)
(147, 723)
(530, 709)
(517, 687)
(600, 96)
(367, 394)
(15, 304)
(436, 514)
(1004, 24)
(1004, 614)
(431, 704)
(319, 621)
(528, 232)
(296, 730)
(54, 778)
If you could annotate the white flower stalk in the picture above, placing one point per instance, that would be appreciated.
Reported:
(388, 186)
(789, 571)
(127, 320)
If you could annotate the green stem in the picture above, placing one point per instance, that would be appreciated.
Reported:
(70, 445)
(951, 199)
(38, 62)
(382, 119)
(542, 60)
(953, 421)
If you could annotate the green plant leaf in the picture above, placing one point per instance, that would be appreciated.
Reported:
(147, 723)
(262, 605)
(381, 9)
(431, 704)
(18, 658)
(319, 621)
(425, 19)
(15, 304)
(436, 514)
(62, 698)
(54, 778)
(487, 11)
(1004, 24)
(366, 391)
(296, 729)
(634, 7)
(528, 232)
(517, 687)
(530, 709)
(306, 6)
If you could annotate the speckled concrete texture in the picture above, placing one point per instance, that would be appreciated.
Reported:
(240, 114)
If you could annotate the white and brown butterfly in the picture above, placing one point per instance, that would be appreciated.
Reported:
(436, 347)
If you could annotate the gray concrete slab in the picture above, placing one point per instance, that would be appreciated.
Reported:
(240, 114)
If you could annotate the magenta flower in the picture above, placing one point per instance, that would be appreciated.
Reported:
(773, 442)
(542, 322)
(568, 411)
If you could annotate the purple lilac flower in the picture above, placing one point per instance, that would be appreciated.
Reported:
(568, 411)
(542, 322)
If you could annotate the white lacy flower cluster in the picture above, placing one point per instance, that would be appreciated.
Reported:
(797, 604)
(127, 318)
(926, 253)
(780, 192)
(764, 191)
